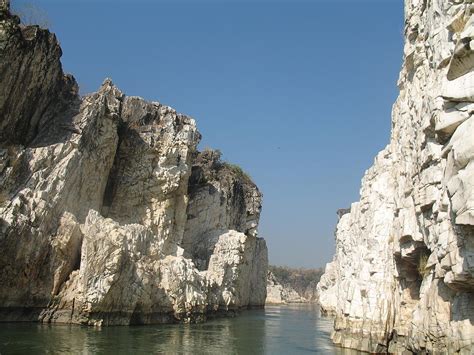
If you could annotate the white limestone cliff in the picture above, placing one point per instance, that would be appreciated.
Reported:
(403, 273)
(97, 202)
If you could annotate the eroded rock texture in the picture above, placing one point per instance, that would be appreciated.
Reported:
(281, 294)
(292, 285)
(100, 222)
(403, 274)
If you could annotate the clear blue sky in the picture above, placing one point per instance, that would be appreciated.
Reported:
(298, 93)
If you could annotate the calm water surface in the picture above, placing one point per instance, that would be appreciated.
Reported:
(295, 329)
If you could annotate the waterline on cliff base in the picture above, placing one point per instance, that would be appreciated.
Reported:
(290, 329)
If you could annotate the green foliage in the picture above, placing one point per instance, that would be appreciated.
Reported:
(422, 262)
(238, 171)
(214, 153)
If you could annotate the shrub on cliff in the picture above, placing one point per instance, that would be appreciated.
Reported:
(215, 157)
(237, 170)
(422, 262)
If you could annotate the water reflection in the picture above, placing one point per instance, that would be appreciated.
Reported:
(275, 330)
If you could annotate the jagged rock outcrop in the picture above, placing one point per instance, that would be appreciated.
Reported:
(99, 218)
(221, 230)
(403, 273)
(281, 294)
(294, 285)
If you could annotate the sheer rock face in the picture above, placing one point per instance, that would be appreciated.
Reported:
(222, 197)
(94, 198)
(221, 232)
(403, 273)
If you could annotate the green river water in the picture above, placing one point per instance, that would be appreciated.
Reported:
(292, 329)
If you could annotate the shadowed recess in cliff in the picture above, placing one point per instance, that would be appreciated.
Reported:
(221, 198)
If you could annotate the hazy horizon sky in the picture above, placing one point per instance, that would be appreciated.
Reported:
(298, 93)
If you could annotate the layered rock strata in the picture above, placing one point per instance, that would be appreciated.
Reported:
(403, 273)
(100, 222)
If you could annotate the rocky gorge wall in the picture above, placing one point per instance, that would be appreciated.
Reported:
(281, 294)
(105, 198)
(292, 285)
(403, 273)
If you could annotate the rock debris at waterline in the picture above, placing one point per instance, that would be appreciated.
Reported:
(403, 273)
(104, 200)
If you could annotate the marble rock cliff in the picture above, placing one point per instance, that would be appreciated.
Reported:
(108, 213)
(403, 273)
(281, 294)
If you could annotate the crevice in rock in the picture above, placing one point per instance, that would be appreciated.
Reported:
(202, 249)
(411, 266)
(410, 67)
(113, 178)
(76, 265)
(66, 251)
